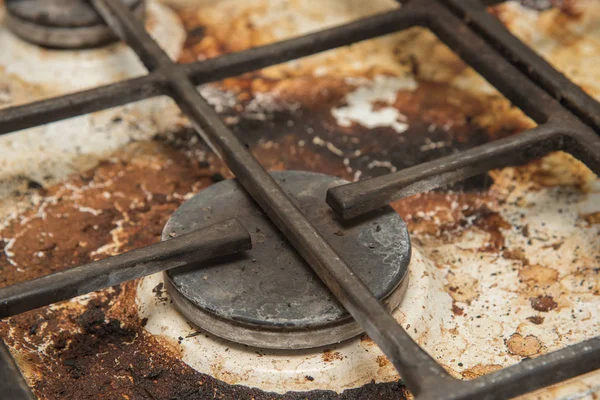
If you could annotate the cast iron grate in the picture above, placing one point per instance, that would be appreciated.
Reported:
(567, 118)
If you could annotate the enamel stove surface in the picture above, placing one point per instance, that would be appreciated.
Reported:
(445, 298)
(269, 297)
(76, 144)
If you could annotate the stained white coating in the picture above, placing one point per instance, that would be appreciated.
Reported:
(29, 72)
(461, 343)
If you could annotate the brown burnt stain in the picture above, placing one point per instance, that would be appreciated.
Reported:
(592, 218)
(300, 113)
(517, 254)
(492, 223)
(329, 356)
(462, 287)
(538, 275)
(382, 361)
(556, 169)
(446, 214)
(536, 319)
(108, 351)
(456, 310)
(569, 7)
(527, 346)
(479, 370)
(442, 118)
(543, 303)
(364, 338)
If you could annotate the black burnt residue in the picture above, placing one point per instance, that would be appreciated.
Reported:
(160, 293)
(436, 129)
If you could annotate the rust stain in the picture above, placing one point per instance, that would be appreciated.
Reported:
(462, 288)
(592, 218)
(330, 356)
(517, 254)
(480, 370)
(523, 346)
(543, 303)
(456, 310)
(536, 319)
(382, 361)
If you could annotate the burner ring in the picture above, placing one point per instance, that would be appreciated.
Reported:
(269, 297)
(62, 24)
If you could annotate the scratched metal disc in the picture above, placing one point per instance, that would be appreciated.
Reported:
(268, 296)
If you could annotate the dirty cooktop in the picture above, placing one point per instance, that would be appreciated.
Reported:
(505, 266)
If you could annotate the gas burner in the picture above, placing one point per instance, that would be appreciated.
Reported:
(65, 24)
(269, 297)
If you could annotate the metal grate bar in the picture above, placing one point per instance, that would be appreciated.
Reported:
(417, 368)
(355, 199)
(475, 51)
(528, 61)
(214, 241)
(84, 102)
(12, 384)
(291, 49)
(533, 374)
(71, 105)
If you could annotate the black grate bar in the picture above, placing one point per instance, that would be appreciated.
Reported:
(225, 66)
(528, 61)
(418, 369)
(355, 199)
(487, 3)
(358, 198)
(84, 102)
(476, 52)
(533, 374)
(12, 384)
(214, 241)
(291, 49)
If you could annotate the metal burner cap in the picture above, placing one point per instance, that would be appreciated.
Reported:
(62, 23)
(269, 297)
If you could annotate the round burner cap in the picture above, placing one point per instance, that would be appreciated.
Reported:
(269, 296)
(65, 24)
(62, 13)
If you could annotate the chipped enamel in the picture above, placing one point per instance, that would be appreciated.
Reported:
(361, 108)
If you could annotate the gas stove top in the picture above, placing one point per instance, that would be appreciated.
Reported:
(418, 234)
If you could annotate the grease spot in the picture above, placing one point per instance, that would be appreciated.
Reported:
(523, 346)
